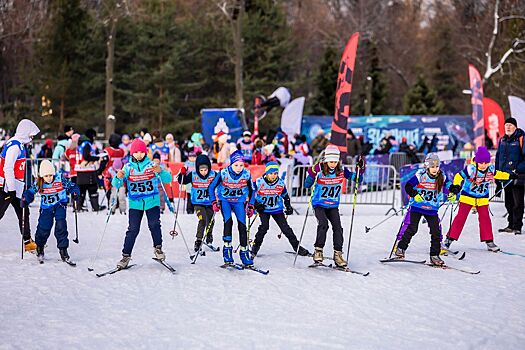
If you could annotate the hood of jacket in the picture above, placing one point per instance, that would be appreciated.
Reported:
(25, 129)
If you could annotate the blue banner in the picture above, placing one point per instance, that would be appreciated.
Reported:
(376, 175)
(448, 128)
(450, 169)
(226, 120)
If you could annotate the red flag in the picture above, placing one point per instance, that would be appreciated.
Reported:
(494, 119)
(476, 87)
(342, 95)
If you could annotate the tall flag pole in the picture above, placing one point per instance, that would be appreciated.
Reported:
(342, 95)
(476, 87)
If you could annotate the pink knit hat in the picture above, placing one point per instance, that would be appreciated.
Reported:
(138, 146)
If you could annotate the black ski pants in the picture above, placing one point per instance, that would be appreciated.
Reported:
(325, 215)
(204, 214)
(5, 201)
(514, 203)
(281, 221)
(435, 231)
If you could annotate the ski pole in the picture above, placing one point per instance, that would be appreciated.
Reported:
(368, 229)
(208, 227)
(76, 222)
(501, 189)
(110, 212)
(173, 232)
(248, 232)
(305, 220)
(398, 231)
(353, 212)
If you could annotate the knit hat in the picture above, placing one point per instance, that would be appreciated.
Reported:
(75, 137)
(46, 168)
(138, 146)
(331, 154)
(67, 128)
(482, 155)
(246, 133)
(431, 160)
(147, 137)
(236, 157)
(511, 121)
(271, 167)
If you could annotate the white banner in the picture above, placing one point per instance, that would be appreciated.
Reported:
(292, 117)
(517, 110)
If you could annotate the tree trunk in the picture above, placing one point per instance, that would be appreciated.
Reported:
(109, 107)
(161, 113)
(238, 44)
(61, 118)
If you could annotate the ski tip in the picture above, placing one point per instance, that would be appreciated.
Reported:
(90, 269)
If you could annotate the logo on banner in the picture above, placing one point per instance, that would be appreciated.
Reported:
(221, 126)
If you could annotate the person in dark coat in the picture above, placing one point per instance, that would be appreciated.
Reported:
(510, 158)
(353, 145)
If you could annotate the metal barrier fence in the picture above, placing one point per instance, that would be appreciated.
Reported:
(378, 187)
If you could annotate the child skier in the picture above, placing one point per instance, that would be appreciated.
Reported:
(54, 189)
(235, 192)
(271, 197)
(111, 164)
(141, 176)
(328, 177)
(425, 189)
(200, 180)
(474, 181)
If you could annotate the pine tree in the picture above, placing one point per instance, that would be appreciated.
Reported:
(325, 81)
(422, 100)
(379, 93)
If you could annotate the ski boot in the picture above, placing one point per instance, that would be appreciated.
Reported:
(339, 260)
(491, 246)
(40, 254)
(399, 253)
(245, 257)
(159, 254)
(436, 260)
(448, 242)
(197, 245)
(318, 255)
(227, 253)
(209, 238)
(29, 245)
(303, 251)
(63, 254)
(506, 230)
(255, 250)
(123, 263)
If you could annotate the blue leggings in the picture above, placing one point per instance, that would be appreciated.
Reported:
(240, 212)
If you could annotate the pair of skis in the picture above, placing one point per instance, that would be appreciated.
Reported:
(342, 269)
(117, 269)
(237, 266)
(425, 263)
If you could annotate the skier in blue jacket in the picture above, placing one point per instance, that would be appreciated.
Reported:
(235, 195)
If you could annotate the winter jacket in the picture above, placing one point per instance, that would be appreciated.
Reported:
(147, 202)
(511, 153)
(60, 149)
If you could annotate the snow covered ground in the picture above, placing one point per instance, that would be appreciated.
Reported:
(401, 306)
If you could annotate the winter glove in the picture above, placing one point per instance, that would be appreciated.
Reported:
(183, 170)
(75, 193)
(288, 209)
(451, 197)
(418, 198)
(499, 188)
(313, 171)
(259, 207)
(361, 164)
(216, 206)
(250, 210)
(513, 175)
(455, 189)
(27, 198)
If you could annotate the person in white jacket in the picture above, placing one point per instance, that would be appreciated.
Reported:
(13, 177)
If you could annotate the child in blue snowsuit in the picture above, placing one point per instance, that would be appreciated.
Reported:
(272, 201)
(200, 180)
(425, 189)
(328, 178)
(141, 177)
(235, 194)
(54, 189)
